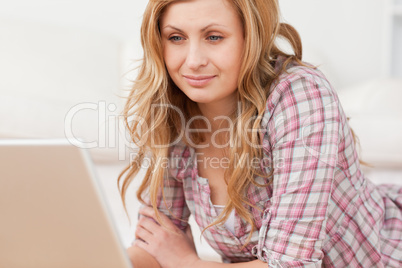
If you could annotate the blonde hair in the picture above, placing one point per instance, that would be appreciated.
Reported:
(153, 86)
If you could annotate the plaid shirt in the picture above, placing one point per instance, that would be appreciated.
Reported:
(319, 210)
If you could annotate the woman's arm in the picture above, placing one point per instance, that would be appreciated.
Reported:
(141, 259)
(170, 246)
(303, 126)
(208, 264)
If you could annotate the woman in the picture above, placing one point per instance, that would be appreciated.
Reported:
(258, 147)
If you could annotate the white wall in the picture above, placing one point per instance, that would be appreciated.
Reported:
(343, 36)
(117, 17)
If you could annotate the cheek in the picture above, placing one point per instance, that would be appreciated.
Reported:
(230, 64)
(173, 66)
(230, 58)
(172, 59)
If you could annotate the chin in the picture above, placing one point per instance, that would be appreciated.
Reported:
(199, 99)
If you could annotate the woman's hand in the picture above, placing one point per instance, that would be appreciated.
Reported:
(171, 247)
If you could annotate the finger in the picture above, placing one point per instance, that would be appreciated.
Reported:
(148, 223)
(149, 212)
(142, 244)
(143, 234)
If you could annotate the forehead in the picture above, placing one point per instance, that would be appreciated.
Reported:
(199, 13)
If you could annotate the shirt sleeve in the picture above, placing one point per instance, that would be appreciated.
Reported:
(174, 206)
(303, 131)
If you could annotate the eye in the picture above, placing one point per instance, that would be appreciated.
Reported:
(215, 38)
(176, 38)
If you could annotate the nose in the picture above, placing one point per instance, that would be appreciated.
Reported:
(196, 57)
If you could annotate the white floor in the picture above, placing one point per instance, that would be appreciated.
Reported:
(108, 174)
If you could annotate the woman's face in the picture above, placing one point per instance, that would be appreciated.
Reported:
(203, 42)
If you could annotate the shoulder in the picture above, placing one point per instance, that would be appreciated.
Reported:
(300, 79)
(301, 87)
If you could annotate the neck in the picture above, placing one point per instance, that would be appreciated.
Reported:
(218, 113)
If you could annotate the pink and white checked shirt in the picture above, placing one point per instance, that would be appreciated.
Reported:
(320, 210)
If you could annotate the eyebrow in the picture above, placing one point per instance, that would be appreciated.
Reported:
(202, 30)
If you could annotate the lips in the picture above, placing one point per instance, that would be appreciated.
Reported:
(198, 80)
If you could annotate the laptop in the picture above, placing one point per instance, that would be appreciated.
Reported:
(53, 213)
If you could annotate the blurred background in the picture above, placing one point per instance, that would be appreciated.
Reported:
(66, 66)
